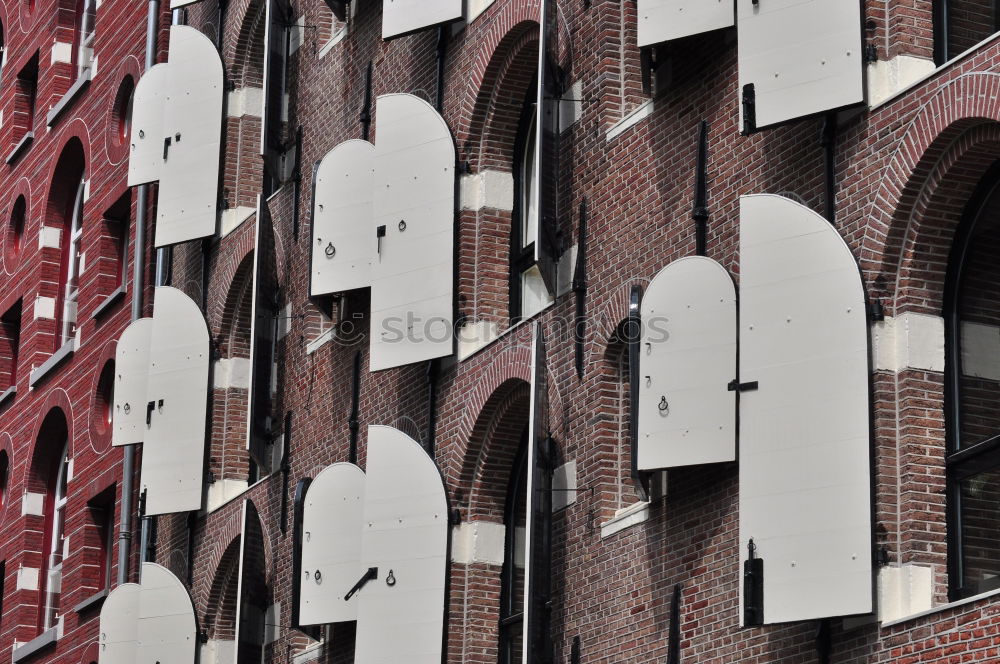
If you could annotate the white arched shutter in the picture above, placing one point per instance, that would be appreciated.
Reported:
(177, 405)
(190, 141)
(331, 545)
(405, 536)
(412, 270)
(805, 475)
(131, 381)
(344, 241)
(687, 407)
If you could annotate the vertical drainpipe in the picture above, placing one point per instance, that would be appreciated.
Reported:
(163, 258)
(138, 282)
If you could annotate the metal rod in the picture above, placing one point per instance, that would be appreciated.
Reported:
(700, 211)
(674, 645)
(138, 282)
(433, 374)
(580, 289)
(366, 108)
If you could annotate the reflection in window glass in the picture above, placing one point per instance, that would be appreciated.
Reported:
(980, 529)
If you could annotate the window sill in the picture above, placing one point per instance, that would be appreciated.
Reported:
(44, 640)
(943, 607)
(21, 146)
(478, 348)
(7, 395)
(109, 302)
(52, 363)
(91, 602)
(625, 518)
(67, 99)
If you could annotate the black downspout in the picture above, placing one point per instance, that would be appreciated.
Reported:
(297, 182)
(674, 645)
(633, 334)
(580, 289)
(366, 108)
(829, 142)
(824, 641)
(700, 211)
(941, 29)
(353, 424)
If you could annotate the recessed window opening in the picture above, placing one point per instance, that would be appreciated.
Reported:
(104, 399)
(972, 314)
(122, 121)
(71, 266)
(528, 294)
(25, 99)
(515, 546)
(15, 230)
(4, 477)
(10, 342)
(55, 541)
(961, 24)
(102, 510)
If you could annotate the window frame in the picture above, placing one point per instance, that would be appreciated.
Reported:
(84, 36)
(961, 463)
(10, 324)
(69, 277)
(56, 500)
(507, 619)
(940, 18)
(522, 253)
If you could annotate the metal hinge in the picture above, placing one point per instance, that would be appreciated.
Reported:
(749, 109)
(753, 587)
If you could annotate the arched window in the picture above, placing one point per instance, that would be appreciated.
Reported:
(70, 282)
(528, 294)
(972, 314)
(512, 576)
(53, 553)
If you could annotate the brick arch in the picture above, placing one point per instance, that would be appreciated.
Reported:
(234, 327)
(90, 654)
(238, 246)
(510, 79)
(218, 622)
(243, 70)
(7, 447)
(500, 26)
(21, 189)
(954, 108)
(913, 272)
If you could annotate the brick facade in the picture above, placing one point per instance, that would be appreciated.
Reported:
(905, 169)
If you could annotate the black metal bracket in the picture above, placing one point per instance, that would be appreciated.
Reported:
(749, 108)
(751, 386)
(379, 234)
(580, 289)
(150, 407)
(753, 587)
(166, 147)
(365, 116)
(370, 575)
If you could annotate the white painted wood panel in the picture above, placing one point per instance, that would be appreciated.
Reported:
(344, 241)
(405, 535)
(145, 162)
(412, 273)
(400, 17)
(805, 476)
(131, 379)
(331, 545)
(167, 632)
(189, 183)
(119, 624)
(802, 56)
(663, 20)
(687, 414)
(174, 449)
